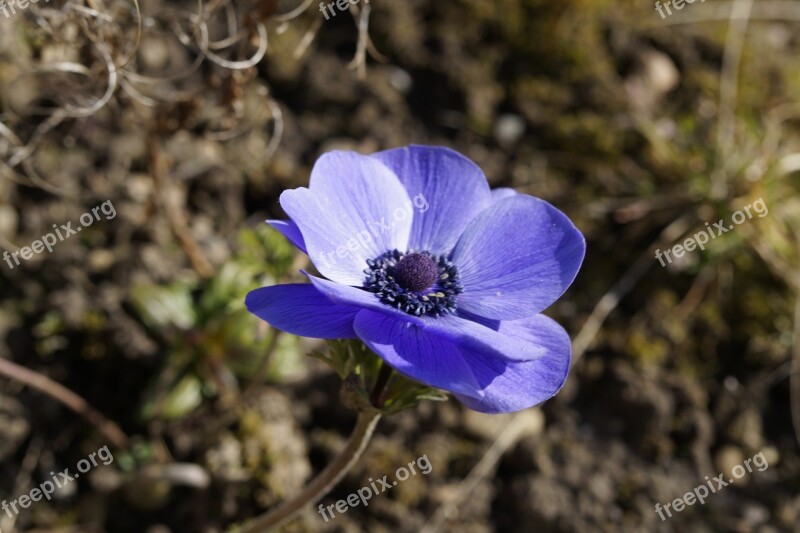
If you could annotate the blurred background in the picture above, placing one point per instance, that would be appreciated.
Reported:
(192, 117)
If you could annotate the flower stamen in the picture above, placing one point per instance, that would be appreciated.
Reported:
(418, 283)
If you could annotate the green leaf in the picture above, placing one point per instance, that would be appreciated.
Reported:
(229, 287)
(183, 399)
(169, 305)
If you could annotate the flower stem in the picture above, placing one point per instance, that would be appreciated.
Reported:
(376, 397)
(322, 484)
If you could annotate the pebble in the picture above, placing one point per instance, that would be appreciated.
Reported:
(508, 129)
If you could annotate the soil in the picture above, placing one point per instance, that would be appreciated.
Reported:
(641, 129)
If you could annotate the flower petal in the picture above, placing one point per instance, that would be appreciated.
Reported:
(501, 193)
(522, 384)
(290, 230)
(448, 191)
(469, 333)
(353, 297)
(481, 378)
(354, 209)
(302, 310)
(412, 351)
(517, 258)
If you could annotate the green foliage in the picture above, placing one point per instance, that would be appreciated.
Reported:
(165, 306)
(183, 398)
(360, 370)
(210, 336)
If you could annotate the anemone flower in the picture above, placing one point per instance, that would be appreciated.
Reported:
(438, 275)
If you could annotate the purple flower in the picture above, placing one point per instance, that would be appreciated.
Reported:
(441, 277)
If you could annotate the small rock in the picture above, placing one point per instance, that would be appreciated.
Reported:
(726, 459)
(400, 80)
(154, 53)
(508, 129)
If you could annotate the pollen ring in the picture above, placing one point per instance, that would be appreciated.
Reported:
(395, 277)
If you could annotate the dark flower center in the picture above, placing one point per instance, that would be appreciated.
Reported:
(417, 283)
(416, 272)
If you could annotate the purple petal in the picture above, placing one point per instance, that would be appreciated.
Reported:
(518, 385)
(353, 297)
(354, 209)
(502, 193)
(302, 310)
(448, 191)
(471, 334)
(480, 378)
(412, 351)
(290, 230)
(517, 258)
